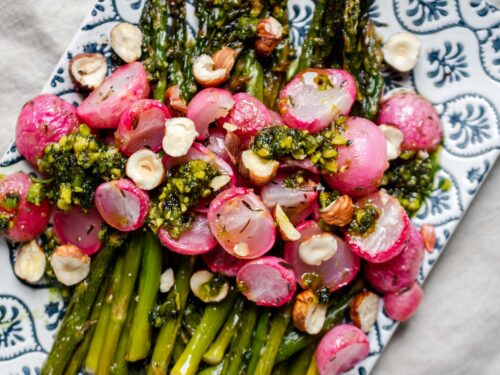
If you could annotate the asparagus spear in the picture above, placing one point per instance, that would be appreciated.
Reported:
(281, 369)
(212, 320)
(178, 349)
(213, 370)
(120, 366)
(149, 282)
(168, 332)
(259, 340)
(160, 36)
(146, 25)
(191, 318)
(312, 370)
(74, 325)
(132, 262)
(302, 362)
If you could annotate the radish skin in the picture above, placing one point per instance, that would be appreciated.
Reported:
(401, 305)
(220, 261)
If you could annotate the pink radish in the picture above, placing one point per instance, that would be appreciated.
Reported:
(142, 125)
(122, 204)
(276, 119)
(197, 240)
(43, 120)
(298, 204)
(207, 106)
(79, 228)
(335, 272)
(416, 118)
(401, 305)
(241, 223)
(267, 281)
(199, 152)
(27, 220)
(390, 232)
(341, 349)
(293, 164)
(220, 261)
(215, 143)
(401, 270)
(105, 105)
(248, 115)
(316, 97)
(362, 163)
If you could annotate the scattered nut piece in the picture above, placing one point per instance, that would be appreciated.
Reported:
(269, 34)
(167, 280)
(317, 249)
(232, 145)
(126, 41)
(30, 262)
(70, 264)
(308, 314)
(428, 233)
(402, 51)
(213, 71)
(229, 127)
(260, 171)
(224, 59)
(286, 228)
(394, 138)
(204, 286)
(364, 310)
(180, 133)
(88, 70)
(339, 212)
(219, 182)
(422, 154)
(174, 101)
(146, 169)
(241, 249)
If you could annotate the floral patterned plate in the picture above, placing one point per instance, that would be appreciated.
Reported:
(459, 71)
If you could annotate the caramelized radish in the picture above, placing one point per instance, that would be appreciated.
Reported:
(79, 228)
(362, 163)
(43, 120)
(298, 204)
(105, 105)
(197, 240)
(248, 115)
(142, 125)
(26, 220)
(267, 281)
(390, 233)
(401, 270)
(220, 261)
(316, 97)
(122, 204)
(241, 223)
(334, 273)
(340, 349)
(207, 106)
(401, 305)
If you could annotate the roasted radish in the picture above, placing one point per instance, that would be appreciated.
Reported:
(267, 281)
(401, 305)
(220, 261)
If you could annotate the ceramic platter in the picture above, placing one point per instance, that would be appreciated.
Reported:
(459, 71)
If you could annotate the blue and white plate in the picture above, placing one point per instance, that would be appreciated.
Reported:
(459, 71)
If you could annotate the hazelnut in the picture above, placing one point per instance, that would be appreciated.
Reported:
(308, 314)
(286, 228)
(259, 170)
(364, 310)
(339, 212)
(70, 264)
(269, 34)
(88, 70)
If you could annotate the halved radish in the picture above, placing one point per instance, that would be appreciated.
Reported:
(316, 97)
(361, 163)
(220, 261)
(241, 223)
(401, 305)
(199, 152)
(390, 233)
(142, 125)
(105, 105)
(334, 273)
(207, 106)
(294, 164)
(276, 119)
(248, 115)
(340, 349)
(267, 281)
(197, 240)
(122, 204)
(79, 228)
(20, 221)
(216, 143)
(401, 270)
(298, 203)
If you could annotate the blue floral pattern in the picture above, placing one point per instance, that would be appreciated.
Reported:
(459, 71)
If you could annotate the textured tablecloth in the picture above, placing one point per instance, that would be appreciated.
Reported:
(457, 329)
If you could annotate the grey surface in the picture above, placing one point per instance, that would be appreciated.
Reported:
(457, 329)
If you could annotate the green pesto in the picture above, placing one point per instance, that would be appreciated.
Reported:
(411, 179)
(364, 220)
(5, 222)
(327, 197)
(312, 281)
(281, 141)
(182, 191)
(212, 287)
(295, 181)
(10, 202)
(74, 167)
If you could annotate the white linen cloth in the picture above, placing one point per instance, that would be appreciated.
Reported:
(457, 329)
